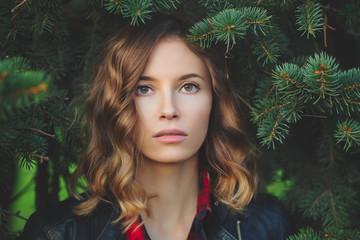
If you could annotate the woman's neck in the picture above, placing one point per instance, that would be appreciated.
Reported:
(173, 191)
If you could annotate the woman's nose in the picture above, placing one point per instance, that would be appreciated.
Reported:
(168, 106)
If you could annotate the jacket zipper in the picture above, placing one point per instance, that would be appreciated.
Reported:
(238, 229)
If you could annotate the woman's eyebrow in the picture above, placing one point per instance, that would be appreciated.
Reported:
(191, 75)
(183, 77)
(146, 78)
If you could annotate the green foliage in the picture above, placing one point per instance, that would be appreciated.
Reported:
(320, 74)
(267, 50)
(329, 204)
(348, 131)
(318, 85)
(351, 13)
(310, 18)
(19, 86)
(340, 234)
(350, 91)
(329, 233)
(304, 97)
(231, 24)
(306, 234)
(228, 25)
(137, 9)
(43, 23)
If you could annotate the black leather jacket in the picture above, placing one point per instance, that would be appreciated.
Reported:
(264, 218)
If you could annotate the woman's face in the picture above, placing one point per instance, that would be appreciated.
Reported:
(173, 103)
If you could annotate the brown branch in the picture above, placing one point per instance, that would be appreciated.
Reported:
(266, 51)
(210, 22)
(352, 101)
(287, 78)
(314, 116)
(17, 214)
(274, 128)
(272, 108)
(17, 6)
(42, 132)
(41, 157)
(325, 26)
(308, 19)
(333, 209)
(317, 199)
(269, 91)
(350, 87)
(255, 22)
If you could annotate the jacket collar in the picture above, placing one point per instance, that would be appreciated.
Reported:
(106, 226)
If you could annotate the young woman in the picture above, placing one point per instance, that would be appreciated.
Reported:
(166, 158)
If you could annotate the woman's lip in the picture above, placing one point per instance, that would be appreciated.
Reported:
(170, 136)
(170, 132)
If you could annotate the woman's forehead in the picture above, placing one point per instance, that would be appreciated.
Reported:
(173, 56)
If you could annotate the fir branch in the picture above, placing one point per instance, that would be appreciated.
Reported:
(316, 202)
(288, 80)
(348, 131)
(20, 87)
(354, 86)
(167, 4)
(306, 234)
(276, 124)
(333, 208)
(299, 61)
(320, 76)
(350, 83)
(43, 22)
(257, 19)
(202, 32)
(32, 90)
(309, 18)
(266, 49)
(293, 112)
(352, 101)
(113, 6)
(269, 109)
(229, 25)
(279, 37)
(272, 129)
(351, 13)
(340, 233)
(269, 92)
(265, 90)
(137, 10)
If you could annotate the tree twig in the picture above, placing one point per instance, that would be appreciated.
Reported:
(17, 214)
(314, 116)
(42, 132)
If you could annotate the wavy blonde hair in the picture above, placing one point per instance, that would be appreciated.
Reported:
(112, 158)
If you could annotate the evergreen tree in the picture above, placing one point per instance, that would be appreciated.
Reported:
(295, 63)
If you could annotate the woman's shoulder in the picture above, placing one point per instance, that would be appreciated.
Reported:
(58, 220)
(266, 204)
(264, 218)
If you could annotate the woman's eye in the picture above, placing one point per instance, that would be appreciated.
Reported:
(189, 88)
(143, 90)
